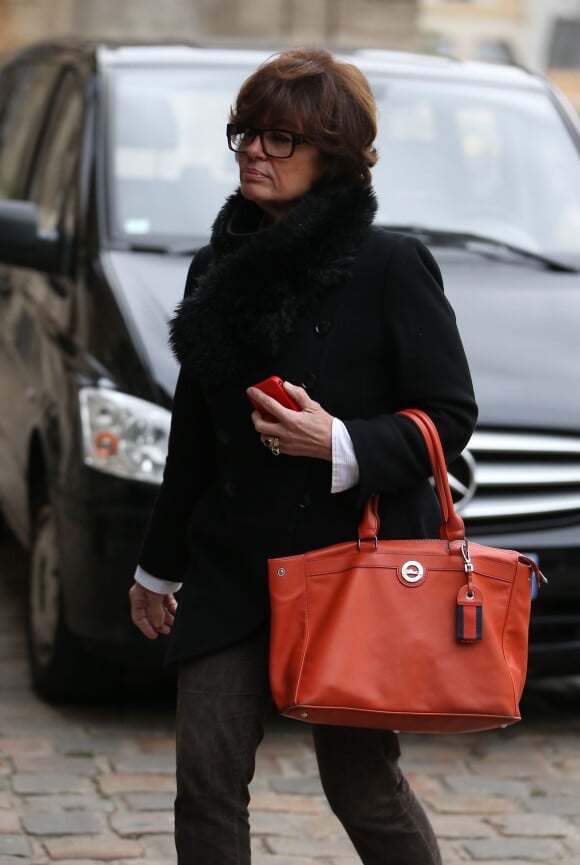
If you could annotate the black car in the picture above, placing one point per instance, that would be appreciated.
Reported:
(113, 164)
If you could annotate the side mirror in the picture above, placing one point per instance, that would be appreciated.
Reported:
(21, 243)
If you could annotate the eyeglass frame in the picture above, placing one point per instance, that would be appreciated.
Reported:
(295, 138)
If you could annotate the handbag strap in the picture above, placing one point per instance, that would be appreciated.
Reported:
(452, 527)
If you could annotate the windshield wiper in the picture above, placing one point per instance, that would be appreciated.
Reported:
(156, 248)
(165, 248)
(464, 239)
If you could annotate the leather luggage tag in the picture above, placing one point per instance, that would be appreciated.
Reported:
(469, 621)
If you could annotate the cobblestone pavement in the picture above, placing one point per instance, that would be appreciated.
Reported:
(95, 784)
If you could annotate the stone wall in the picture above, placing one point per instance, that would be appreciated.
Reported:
(373, 23)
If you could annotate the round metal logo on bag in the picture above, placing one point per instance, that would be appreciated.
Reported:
(412, 572)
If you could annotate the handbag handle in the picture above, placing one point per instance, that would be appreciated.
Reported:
(452, 527)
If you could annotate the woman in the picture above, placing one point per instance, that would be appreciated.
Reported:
(296, 283)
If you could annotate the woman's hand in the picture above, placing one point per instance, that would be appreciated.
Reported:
(304, 433)
(151, 612)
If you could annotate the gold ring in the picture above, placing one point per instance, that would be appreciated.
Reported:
(273, 444)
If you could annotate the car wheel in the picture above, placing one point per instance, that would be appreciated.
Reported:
(60, 665)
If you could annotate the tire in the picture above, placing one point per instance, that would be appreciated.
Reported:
(61, 668)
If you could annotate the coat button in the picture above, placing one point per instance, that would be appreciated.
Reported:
(306, 502)
(322, 327)
(309, 381)
(229, 489)
(223, 437)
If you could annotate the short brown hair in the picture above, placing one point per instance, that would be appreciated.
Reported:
(328, 100)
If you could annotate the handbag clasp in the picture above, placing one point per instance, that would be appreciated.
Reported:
(467, 563)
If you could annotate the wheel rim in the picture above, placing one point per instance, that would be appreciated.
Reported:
(44, 588)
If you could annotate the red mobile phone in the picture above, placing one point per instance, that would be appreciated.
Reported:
(274, 387)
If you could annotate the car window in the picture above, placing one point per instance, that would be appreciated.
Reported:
(474, 158)
(24, 99)
(53, 187)
(453, 156)
(169, 165)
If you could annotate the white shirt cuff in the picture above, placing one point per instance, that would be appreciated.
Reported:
(154, 584)
(345, 471)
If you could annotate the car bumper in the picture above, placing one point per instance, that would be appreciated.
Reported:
(554, 643)
(102, 530)
(100, 534)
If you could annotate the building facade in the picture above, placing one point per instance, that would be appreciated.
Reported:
(475, 29)
(541, 34)
(373, 23)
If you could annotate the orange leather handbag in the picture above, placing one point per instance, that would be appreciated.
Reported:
(425, 636)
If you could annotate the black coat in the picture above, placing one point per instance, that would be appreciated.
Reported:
(356, 315)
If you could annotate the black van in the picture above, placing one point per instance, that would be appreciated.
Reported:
(113, 165)
(99, 214)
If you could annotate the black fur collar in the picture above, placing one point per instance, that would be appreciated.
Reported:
(262, 282)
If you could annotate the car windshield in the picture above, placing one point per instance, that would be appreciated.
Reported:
(170, 168)
(496, 162)
(453, 157)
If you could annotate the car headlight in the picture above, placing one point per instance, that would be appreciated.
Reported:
(123, 435)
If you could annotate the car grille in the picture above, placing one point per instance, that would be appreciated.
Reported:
(508, 477)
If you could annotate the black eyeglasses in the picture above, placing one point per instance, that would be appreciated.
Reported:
(278, 143)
